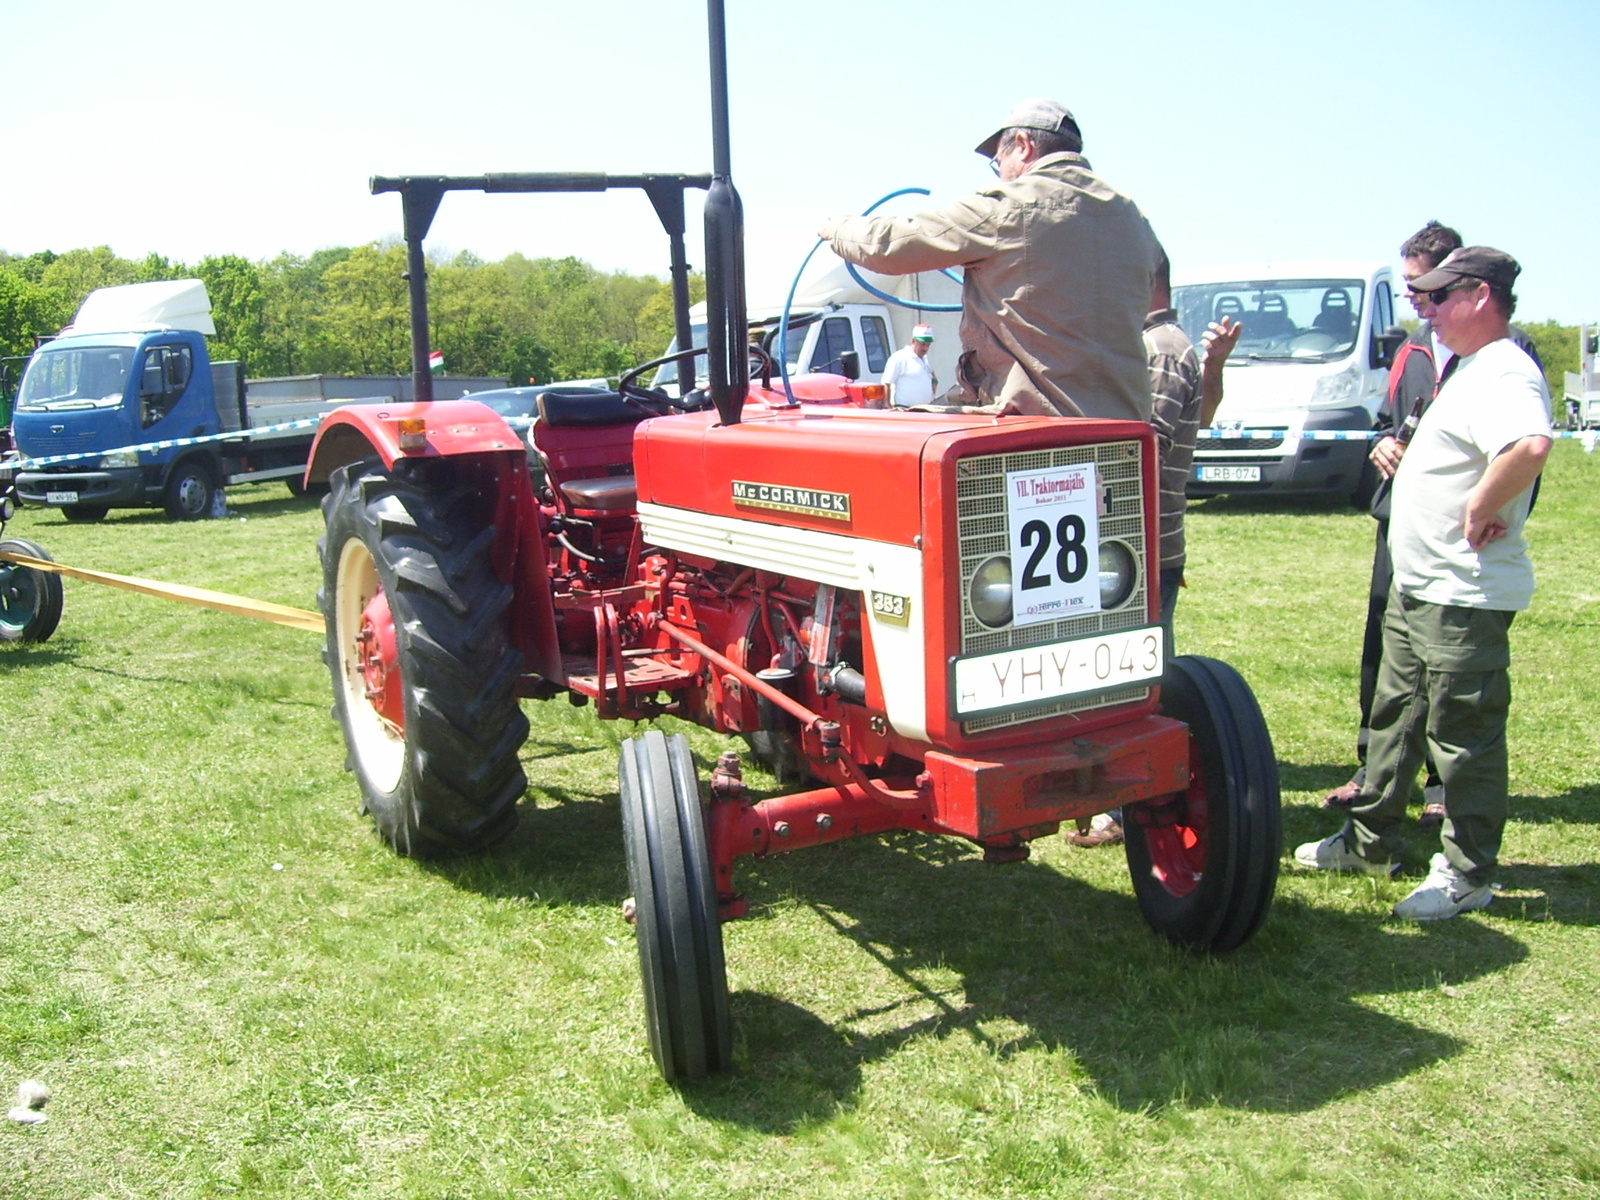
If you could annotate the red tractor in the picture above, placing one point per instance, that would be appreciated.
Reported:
(945, 623)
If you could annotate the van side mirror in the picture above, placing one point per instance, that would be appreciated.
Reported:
(1386, 345)
(850, 364)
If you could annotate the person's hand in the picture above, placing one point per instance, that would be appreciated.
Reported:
(1483, 529)
(1386, 456)
(1218, 341)
(829, 224)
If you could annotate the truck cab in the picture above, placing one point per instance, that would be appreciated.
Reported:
(89, 391)
(1313, 357)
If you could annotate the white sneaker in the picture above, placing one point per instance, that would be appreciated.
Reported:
(1332, 854)
(1443, 894)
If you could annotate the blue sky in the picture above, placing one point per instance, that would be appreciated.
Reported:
(1247, 131)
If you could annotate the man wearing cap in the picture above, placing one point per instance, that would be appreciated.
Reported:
(908, 374)
(1461, 572)
(1058, 268)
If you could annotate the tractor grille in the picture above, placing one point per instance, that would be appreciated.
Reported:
(981, 516)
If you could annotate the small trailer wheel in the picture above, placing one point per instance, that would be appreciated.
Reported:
(676, 922)
(30, 600)
(1204, 862)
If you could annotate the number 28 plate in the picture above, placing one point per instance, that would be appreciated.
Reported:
(1027, 675)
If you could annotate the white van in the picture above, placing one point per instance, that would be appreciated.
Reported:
(1314, 355)
(835, 316)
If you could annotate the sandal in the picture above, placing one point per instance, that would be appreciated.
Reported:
(1100, 833)
(1432, 816)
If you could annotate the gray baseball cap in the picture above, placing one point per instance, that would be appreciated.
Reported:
(1032, 114)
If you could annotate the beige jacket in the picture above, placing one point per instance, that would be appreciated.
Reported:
(1058, 269)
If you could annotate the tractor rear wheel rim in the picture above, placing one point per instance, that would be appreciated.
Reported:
(378, 742)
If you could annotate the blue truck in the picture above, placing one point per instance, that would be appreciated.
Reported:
(133, 369)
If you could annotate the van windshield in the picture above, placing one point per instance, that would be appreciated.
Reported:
(85, 377)
(1299, 320)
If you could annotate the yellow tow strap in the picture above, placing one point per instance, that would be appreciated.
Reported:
(239, 606)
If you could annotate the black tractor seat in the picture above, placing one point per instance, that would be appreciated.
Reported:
(587, 409)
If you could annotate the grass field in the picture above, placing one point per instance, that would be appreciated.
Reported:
(232, 988)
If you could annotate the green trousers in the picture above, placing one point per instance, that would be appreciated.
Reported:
(1444, 687)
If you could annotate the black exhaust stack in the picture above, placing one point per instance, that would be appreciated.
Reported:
(727, 332)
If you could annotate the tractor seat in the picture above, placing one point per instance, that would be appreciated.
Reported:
(587, 409)
(609, 493)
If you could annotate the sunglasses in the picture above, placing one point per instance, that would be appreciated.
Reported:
(1438, 295)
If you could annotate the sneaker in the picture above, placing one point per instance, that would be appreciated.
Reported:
(1102, 831)
(1443, 894)
(1333, 854)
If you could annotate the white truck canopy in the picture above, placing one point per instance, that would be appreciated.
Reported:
(169, 304)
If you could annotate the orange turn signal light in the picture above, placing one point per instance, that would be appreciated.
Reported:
(866, 394)
(413, 434)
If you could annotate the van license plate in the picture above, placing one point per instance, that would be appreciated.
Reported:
(1228, 474)
(61, 497)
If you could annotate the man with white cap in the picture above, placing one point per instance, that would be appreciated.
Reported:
(1058, 267)
(908, 374)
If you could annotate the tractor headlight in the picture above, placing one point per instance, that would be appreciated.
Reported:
(118, 459)
(989, 593)
(1119, 574)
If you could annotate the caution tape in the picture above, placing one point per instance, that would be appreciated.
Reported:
(239, 606)
(1587, 436)
(27, 464)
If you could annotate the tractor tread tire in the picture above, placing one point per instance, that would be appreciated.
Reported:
(461, 779)
(1232, 757)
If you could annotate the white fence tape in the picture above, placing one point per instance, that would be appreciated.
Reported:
(1587, 436)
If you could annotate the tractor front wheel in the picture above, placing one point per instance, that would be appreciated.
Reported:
(424, 672)
(1205, 860)
(676, 922)
(30, 600)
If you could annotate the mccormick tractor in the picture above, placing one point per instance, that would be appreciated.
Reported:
(935, 622)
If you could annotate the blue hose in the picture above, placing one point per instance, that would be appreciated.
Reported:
(788, 301)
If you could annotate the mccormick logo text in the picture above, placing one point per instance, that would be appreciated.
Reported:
(811, 501)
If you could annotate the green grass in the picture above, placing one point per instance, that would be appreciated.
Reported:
(232, 988)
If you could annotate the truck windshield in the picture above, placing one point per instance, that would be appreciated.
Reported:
(1298, 320)
(84, 377)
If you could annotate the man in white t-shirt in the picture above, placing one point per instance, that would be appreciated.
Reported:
(908, 374)
(1461, 572)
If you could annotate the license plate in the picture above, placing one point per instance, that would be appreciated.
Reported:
(1016, 678)
(1228, 474)
(61, 497)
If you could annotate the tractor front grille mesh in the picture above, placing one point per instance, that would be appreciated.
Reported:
(981, 516)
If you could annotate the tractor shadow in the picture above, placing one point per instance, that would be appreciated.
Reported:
(1023, 958)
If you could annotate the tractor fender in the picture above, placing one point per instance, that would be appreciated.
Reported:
(449, 428)
(453, 429)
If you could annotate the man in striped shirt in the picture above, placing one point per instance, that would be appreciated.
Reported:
(1186, 394)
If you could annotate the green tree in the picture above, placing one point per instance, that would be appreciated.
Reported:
(238, 308)
(27, 310)
(1558, 353)
(363, 325)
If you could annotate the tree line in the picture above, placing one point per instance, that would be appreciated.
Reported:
(343, 311)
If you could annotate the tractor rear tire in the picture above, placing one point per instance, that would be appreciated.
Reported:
(1205, 863)
(415, 545)
(30, 600)
(676, 922)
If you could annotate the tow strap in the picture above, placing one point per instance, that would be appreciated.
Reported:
(239, 606)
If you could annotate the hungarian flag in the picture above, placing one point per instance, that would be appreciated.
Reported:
(436, 362)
